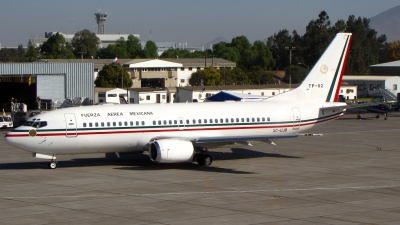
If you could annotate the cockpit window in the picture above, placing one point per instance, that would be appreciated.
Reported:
(36, 124)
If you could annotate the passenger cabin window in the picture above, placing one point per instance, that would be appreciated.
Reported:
(154, 122)
(90, 124)
(194, 121)
(205, 120)
(126, 123)
(108, 124)
(143, 123)
(96, 124)
(114, 124)
(137, 123)
(131, 123)
(120, 123)
(102, 124)
(84, 124)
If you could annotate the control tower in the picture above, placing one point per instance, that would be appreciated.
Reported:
(101, 18)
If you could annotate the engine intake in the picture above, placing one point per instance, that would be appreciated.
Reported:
(171, 151)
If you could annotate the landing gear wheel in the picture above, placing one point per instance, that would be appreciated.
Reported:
(204, 160)
(207, 160)
(377, 116)
(52, 165)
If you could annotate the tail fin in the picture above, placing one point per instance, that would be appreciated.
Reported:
(325, 78)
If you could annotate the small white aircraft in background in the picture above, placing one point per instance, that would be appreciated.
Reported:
(184, 132)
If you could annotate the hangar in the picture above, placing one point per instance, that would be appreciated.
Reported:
(27, 81)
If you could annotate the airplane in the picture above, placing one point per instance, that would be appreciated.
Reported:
(184, 132)
(377, 106)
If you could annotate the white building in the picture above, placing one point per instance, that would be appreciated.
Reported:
(379, 86)
(349, 92)
(170, 73)
(105, 39)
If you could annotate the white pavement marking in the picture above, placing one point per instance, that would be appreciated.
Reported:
(203, 192)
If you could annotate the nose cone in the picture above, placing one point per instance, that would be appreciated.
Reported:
(15, 138)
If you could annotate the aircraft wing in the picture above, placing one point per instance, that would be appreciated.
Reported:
(216, 142)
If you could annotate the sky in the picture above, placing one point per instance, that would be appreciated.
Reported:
(180, 21)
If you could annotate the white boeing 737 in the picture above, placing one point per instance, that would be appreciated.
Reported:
(183, 132)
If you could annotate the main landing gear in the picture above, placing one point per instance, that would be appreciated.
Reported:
(204, 159)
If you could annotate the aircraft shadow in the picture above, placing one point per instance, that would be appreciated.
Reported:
(142, 162)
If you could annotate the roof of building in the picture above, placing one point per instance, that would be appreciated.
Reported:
(199, 62)
(153, 63)
(388, 64)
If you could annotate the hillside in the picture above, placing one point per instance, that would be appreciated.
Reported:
(387, 22)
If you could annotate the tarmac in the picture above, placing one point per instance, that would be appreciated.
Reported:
(350, 175)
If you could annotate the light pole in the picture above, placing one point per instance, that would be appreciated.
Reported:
(122, 78)
(290, 64)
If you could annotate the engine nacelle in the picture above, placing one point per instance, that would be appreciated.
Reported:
(171, 151)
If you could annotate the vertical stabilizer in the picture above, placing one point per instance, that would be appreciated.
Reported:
(325, 78)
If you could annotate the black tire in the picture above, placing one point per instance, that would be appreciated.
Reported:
(200, 160)
(206, 160)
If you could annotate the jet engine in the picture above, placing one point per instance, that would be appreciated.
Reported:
(171, 151)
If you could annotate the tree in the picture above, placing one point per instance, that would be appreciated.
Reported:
(277, 44)
(119, 49)
(32, 54)
(243, 47)
(365, 47)
(262, 55)
(259, 76)
(298, 74)
(134, 47)
(317, 38)
(207, 77)
(57, 48)
(110, 76)
(150, 50)
(8, 55)
(394, 50)
(85, 43)
(197, 78)
(225, 51)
